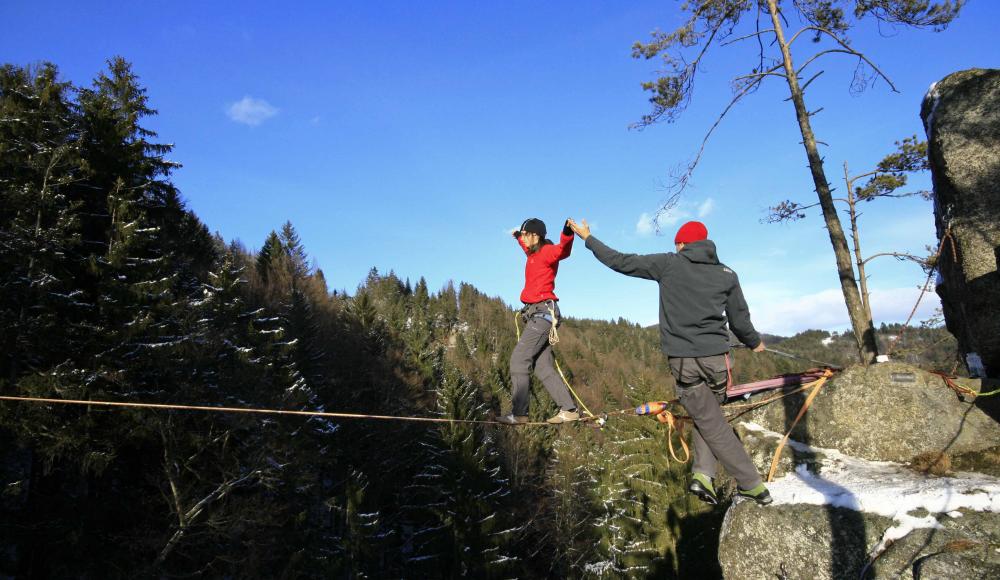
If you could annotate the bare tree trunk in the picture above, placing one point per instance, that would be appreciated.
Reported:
(862, 276)
(864, 331)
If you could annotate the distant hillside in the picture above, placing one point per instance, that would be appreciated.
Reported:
(928, 347)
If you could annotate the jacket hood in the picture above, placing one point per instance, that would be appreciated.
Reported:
(701, 252)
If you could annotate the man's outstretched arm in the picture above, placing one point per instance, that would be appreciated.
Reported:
(648, 266)
(738, 315)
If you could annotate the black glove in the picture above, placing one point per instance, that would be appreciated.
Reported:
(516, 234)
(567, 231)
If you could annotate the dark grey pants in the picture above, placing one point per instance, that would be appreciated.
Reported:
(533, 353)
(701, 388)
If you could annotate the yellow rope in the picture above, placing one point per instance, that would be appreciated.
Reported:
(577, 397)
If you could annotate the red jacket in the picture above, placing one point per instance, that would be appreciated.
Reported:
(540, 271)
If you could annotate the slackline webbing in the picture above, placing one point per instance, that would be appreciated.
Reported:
(255, 411)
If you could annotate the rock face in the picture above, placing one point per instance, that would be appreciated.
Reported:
(961, 115)
(823, 542)
(845, 499)
(884, 412)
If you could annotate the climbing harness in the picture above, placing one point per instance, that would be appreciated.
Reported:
(549, 317)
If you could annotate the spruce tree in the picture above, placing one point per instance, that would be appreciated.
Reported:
(39, 161)
(457, 494)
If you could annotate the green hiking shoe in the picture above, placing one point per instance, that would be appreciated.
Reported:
(759, 494)
(701, 486)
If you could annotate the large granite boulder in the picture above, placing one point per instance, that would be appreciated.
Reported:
(884, 412)
(823, 542)
(836, 515)
(961, 115)
(870, 483)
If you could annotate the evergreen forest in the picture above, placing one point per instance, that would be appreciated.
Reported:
(113, 290)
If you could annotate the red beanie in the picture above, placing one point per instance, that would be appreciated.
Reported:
(691, 232)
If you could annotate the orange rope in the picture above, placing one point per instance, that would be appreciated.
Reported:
(674, 424)
(962, 391)
(954, 256)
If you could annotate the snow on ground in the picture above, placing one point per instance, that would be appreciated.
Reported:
(882, 487)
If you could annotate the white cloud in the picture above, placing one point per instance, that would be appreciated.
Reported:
(645, 226)
(895, 304)
(673, 216)
(684, 210)
(779, 313)
(706, 207)
(251, 111)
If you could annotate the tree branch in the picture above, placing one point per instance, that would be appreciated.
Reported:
(751, 35)
(901, 256)
(760, 75)
(196, 510)
(819, 54)
(846, 48)
(811, 79)
(680, 183)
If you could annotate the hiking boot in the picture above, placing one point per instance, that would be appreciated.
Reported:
(564, 417)
(701, 486)
(513, 419)
(759, 494)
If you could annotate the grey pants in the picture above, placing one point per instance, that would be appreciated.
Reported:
(701, 387)
(533, 353)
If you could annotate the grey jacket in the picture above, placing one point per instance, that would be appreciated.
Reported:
(698, 295)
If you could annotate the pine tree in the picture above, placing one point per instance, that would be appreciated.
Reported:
(571, 480)
(135, 263)
(296, 252)
(270, 253)
(456, 495)
(39, 161)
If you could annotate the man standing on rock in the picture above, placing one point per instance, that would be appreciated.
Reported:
(698, 295)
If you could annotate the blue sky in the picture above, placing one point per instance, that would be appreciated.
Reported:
(413, 136)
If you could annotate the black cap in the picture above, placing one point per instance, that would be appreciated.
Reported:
(534, 226)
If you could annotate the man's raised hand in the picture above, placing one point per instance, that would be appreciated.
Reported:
(582, 229)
